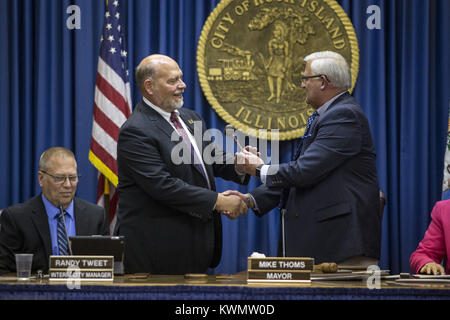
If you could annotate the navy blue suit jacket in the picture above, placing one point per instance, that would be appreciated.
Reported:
(331, 190)
(166, 209)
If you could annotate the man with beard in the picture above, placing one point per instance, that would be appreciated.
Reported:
(169, 211)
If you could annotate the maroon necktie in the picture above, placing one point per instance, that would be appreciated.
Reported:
(184, 136)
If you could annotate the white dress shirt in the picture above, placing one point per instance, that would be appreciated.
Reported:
(166, 116)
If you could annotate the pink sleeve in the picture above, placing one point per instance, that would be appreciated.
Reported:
(432, 247)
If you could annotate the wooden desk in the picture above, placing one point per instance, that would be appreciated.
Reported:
(215, 287)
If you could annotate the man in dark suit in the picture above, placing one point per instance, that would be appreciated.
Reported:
(32, 227)
(168, 207)
(328, 193)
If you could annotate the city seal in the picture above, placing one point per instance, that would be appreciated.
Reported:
(250, 60)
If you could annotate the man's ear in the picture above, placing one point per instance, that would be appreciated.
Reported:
(40, 177)
(148, 86)
(325, 84)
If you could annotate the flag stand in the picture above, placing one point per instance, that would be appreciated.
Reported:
(106, 196)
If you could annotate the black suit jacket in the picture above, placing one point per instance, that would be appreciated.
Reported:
(25, 229)
(331, 191)
(166, 209)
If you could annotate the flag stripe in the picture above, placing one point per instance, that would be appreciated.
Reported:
(128, 94)
(113, 204)
(100, 191)
(103, 168)
(101, 153)
(109, 108)
(106, 123)
(107, 142)
(113, 201)
(113, 95)
(116, 81)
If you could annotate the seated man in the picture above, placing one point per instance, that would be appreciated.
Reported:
(435, 244)
(32, 227)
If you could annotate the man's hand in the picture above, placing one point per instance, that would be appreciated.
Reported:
(248, 160)
(248, 200)
(432, 268)
(240, 165)
(231, 205)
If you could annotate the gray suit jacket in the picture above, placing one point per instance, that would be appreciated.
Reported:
(25, 229)
(330, 190)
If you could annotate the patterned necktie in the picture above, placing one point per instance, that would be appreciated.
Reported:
(184, 136)
(62, 236)
(307, 134)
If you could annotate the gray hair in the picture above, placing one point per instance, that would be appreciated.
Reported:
(333, 65)
(49, 153)
(144, 71)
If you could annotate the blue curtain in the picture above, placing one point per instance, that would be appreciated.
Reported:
(47, 79)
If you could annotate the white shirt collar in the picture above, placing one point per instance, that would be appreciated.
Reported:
(163, 113)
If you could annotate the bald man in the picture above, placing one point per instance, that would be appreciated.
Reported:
(169, 211)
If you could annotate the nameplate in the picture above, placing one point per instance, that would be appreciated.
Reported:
(81, 275)
(82, 262)
(279, 276)
(278, 263)
(83, 268)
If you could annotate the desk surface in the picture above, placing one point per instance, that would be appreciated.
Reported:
(216, 287)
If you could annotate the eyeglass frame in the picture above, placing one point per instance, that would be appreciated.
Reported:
(56, 177)
(315, 76)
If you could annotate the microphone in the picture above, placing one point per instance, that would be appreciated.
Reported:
(61, 210)
(229, 130)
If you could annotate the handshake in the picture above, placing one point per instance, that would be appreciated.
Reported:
(231, 203)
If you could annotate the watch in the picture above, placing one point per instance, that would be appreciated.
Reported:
(258, 171)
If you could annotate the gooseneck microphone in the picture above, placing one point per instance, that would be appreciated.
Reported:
(61, 211)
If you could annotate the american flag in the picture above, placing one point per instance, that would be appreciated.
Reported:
(112, 106)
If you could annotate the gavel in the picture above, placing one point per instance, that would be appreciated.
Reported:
(326, 267)
(229, 129)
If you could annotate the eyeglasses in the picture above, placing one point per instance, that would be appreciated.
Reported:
(61, 179)
(314, 76)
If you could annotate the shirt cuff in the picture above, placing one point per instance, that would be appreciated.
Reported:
(255, 205)
(263, 173)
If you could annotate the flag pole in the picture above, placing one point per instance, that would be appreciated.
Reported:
(106, 196)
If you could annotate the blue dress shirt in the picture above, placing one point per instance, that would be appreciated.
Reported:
(52, 214)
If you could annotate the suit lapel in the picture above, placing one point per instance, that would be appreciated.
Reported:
(155, 117)
(168, 130)
(305, 143)
(40, 220)
(190, 122)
